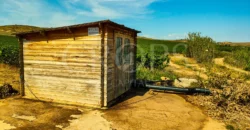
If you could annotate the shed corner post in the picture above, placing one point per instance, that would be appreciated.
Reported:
(20, 41)
(102, 28)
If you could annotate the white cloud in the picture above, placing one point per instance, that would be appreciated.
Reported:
(65, 12)
(148, 36)
(114, 9)
(173, 36)
(33, 12)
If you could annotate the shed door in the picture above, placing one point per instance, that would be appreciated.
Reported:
(122, 79)
(126, 63)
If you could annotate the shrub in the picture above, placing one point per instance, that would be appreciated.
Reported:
(153, 61)
(200, 48)
(229, 127)
(7, 90)
(9, 55)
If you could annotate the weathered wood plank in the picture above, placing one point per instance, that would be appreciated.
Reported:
(63, 53)
(97, 37)
(81, 91)
(62, 98)
(62, 68)
(63, 84)
(65, 62)
(63, 75)
(40, 71)
(73, 102)
(80, 54)
(69, 47)
(81, 72)
(67, 36)
(64, 42)
(68, 92)
(62, 79)
(62, 63)
(64, 59)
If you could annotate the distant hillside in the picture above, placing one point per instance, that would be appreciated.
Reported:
(160, 46)
(10, 29)
(177, 40)
(235, 43)
(240, 44)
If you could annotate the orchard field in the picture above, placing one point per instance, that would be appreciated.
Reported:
(9, 50)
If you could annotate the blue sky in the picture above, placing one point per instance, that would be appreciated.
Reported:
(223, 20)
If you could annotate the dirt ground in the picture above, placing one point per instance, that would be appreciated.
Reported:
(158, 111)
(139, 110)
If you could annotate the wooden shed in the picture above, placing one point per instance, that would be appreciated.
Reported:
(86, 64)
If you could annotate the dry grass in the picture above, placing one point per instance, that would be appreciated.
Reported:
(240, 44)
(10, 29)
(9, 75)
(230, 101)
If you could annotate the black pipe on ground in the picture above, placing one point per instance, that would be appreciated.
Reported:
(180, 90)
(148, 84)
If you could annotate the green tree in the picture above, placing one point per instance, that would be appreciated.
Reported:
(199, 47)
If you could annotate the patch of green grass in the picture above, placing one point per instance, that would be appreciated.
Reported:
(159, 47)
(155, 74)
(8, 41)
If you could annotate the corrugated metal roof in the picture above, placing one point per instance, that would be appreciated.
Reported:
(79, 25)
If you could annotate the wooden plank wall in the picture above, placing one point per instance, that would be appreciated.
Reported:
(63, 67)
(113, 91)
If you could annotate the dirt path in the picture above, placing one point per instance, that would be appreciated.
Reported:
(159, 111)
(220, 61)
(186, 67)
